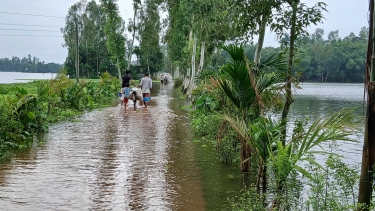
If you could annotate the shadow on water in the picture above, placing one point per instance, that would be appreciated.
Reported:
(120, 159)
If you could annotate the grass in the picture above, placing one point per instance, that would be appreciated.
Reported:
(6, 89)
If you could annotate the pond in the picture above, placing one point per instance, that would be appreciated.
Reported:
(22, 77)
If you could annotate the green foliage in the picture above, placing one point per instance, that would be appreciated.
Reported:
(113, 29)
(329, 60)
(94, 54)
(151, 57)
(238, 86)
(30, 108)
(213, 131)
(334, 187)
(248, 200)
(177, 83)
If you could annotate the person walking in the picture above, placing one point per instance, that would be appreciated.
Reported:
(126, 79)
(146, 87)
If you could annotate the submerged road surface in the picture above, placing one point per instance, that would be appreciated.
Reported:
(110, 159)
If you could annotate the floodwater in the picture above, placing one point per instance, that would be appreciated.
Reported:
(23, 77)
(117, 159)
(316, 100)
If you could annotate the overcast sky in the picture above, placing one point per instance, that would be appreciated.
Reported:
(17, 39)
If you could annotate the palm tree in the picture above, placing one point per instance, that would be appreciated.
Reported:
(244, 85)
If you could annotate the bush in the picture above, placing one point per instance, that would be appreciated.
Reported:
(177, 83)
(30, 107)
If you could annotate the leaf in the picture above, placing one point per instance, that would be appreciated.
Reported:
(304, 172)
(31, 115)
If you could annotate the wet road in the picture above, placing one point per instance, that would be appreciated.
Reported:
(110, 159)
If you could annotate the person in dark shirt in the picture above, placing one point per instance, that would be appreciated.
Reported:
(126, 79)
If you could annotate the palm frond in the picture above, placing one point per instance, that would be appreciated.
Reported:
(276, 61)
(335, 127)
(237, 53)
(239, 126)
(43, 89)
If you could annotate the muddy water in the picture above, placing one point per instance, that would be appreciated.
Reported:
(113, 159)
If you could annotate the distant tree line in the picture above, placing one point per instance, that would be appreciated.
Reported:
(28, 64)
(320, 60)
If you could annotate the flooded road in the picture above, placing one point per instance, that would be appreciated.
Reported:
(110, 159)
(117, 159)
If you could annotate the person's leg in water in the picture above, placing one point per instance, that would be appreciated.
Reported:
(146, 99)
(126, 96)
(133, 97)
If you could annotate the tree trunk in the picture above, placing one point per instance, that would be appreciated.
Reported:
(201, 63)
(118, 70)
(262, 30)
(260, 172)
(148, 65)
(264, 176)
(177, 72)
(368, 154)
(97, 63)
(245, 155)
(288, 97)
(77, 53)
(87, 62)
(131, 47)
(191, 83)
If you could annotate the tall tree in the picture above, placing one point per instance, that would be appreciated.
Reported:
(255, 16)
(333, 36)
(73, 30)
(114, 29)
(294, 19)
(149, 30)
(132, 28)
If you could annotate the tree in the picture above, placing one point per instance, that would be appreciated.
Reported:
(73, 30)
(295, 18)
(363, 34)
(321, 54)
(317, 36)
(149, 29)
(255, 16)
(243, 86)
(113, 30)
(333, 36)
(132, 28)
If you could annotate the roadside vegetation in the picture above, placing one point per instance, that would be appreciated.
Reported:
(29, 108)
(236, 113)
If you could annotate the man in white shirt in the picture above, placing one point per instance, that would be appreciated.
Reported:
(146, 86)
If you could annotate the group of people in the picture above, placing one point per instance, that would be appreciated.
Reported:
(145, 85)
